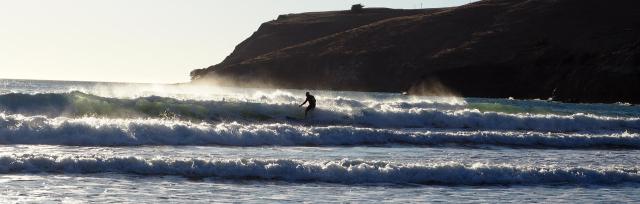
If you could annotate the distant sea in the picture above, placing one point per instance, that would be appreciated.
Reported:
(148, 143)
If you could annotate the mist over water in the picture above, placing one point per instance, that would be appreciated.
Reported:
(229, 136)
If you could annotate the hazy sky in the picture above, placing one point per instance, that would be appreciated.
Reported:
(158, 41)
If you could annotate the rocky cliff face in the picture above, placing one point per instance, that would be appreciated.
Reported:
(569, 50)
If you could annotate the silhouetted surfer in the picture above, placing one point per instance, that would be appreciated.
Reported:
(312, 104)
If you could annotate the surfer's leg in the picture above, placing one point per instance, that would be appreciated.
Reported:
(306, 111)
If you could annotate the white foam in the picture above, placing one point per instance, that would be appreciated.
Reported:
(18, 129)
(343, 171)
(474, 119)
(338, 111)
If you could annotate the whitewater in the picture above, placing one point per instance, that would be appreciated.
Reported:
(119, 142)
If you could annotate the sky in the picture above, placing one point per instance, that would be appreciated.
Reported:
(150, 41)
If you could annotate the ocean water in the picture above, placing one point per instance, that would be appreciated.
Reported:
(148, 143)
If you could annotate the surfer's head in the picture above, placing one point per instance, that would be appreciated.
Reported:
(307, 93)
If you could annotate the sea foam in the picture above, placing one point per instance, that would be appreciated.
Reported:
(343, 112)
(18, 129)
(343, 171)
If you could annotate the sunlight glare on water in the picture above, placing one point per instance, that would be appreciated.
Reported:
(116, 142)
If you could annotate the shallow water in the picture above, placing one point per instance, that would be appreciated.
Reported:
(115, 142)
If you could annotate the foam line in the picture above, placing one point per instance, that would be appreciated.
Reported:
(343, 171)
(384, 115)
(17, 129)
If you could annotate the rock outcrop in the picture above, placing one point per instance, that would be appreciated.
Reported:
(568, 50)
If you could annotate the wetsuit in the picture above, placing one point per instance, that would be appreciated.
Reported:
(312, 103)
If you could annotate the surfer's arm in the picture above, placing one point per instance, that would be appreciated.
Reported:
(305, 101)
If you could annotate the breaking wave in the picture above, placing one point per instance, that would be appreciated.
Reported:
(340, 111)
(18, 129)
(344, 171)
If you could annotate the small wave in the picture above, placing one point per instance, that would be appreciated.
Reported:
(17, 129)
(474, 119)
(344, 171)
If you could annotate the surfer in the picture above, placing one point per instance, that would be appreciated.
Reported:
(312, 104)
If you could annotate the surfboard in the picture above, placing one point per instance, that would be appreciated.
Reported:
(294, 118)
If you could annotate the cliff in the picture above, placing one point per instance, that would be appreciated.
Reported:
(568, 50)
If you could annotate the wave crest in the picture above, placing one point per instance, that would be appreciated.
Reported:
(17, 129)
(344, 171)
(343, 112)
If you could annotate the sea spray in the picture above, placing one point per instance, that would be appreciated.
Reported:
(341, 111)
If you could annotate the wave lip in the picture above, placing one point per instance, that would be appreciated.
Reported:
(260, 106)
(342, 112)
(16, 129)
(343, 171)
